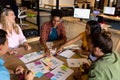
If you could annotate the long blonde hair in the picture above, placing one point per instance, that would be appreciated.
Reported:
(4, 22)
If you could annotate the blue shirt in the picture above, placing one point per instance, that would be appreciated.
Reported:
(53, 35)
(4, 73)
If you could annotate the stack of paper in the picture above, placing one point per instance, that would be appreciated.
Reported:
(38, 68)
(31, 56)
(60, 73)
(67, 53)
(52, 62)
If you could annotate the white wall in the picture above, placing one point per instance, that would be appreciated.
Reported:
(42, 2)
(18, 1)
(51, 1)
(70, 2)
(92, 2)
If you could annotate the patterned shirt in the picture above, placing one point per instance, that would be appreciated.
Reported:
(46, 28)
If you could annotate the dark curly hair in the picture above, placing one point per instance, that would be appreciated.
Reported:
(94, 27)
(2, 36)
(56, 12)
(103, 41)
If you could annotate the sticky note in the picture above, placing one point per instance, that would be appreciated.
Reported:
(64, 68)
(37, 62)
(33, 72)
(49, 75)
(39, 74)
(19, 56)
(47, 59)
(53, 78)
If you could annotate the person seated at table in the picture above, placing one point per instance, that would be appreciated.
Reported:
(15, 34)
(53, 31)
(91, 28)
(107, 65)
(4, 72)
(101, 21)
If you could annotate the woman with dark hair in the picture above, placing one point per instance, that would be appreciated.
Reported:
(91, 28)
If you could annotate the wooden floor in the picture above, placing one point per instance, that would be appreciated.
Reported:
(29, 26)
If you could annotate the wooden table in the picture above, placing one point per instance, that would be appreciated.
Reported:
(12, 62)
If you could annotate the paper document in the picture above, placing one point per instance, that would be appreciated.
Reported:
(72, 46)
(52, 62)
(53, 51)
(31, 56)
(76, 62)
(60, 73)
(37, 67)
(67, 53)
(49, 44)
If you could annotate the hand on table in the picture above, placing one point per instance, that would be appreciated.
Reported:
(48, 53)
(12, 51)
(19, 70)
(59, 50)
(77, 74)
(86, 67)
(28, 75)
(28, 47)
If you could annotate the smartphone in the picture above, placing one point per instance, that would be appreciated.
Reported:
(92, 58)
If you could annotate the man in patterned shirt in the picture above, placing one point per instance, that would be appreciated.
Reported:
(53, 31)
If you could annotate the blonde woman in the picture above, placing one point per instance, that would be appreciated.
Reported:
(15, 35)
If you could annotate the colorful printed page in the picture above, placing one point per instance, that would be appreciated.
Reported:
(67, 53)
(52, 62)
(60, 73)
(38, 68)
(31, 56)
(76, 62)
